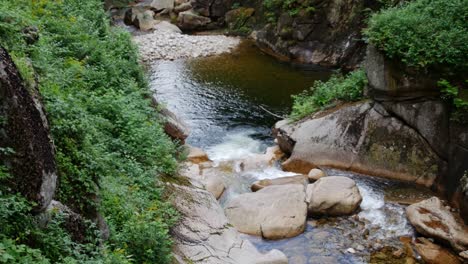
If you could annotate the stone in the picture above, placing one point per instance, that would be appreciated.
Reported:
(174, 127)
(315, 174)
(434, 254)
(275, 212)
(360, 137)
(197, 155)
(298, 179)
(215, 185)
(204, 235)
(334, 196)
(183, 7)
(430, 218)
(25, 130)
(464, 254)
(162, 4)
(188, 20)
(140, 18)
(166, 27)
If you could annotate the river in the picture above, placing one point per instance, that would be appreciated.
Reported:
(230, 102)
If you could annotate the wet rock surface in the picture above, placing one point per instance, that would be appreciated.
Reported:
(299, 179)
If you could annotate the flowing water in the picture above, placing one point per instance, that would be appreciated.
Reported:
(227, 102)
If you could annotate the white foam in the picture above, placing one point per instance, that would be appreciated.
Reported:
(235, 146)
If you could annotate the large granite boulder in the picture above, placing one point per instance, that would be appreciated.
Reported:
(25, 130)
(274, 212)
(140, 17)
(189, 20)
(361, 137)
(298, 179)
(212, 8)
(334, 196)
(204, 235)
(432, 219)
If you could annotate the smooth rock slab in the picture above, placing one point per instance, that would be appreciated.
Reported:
(432, 219)
(333, 195)
(434, 254)
(274, 212)
(298, 179)
(316, 174)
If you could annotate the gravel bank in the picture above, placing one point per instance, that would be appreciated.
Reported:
(167, 43)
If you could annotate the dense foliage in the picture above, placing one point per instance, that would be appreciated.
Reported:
(108, 139)
(325, 94)
(424, 33)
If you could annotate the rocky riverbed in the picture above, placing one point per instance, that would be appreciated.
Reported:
(167, 42)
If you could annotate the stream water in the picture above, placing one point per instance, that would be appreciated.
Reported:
(224, 100)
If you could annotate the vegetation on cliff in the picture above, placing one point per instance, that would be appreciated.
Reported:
(110, 144)
(326, 94)
(431, 36)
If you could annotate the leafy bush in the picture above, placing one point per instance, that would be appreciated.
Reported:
(324, 94)
(108, 138)
(424, 33)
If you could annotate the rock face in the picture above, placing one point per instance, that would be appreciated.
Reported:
(361, 137)
(203, 234)
(25, 130)
(328, 36)
(274, 212)
(299, 179)
(333, 195)
(174, 127)
(432, 219)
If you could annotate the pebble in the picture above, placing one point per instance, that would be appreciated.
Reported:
(170, 45)
(351, 250)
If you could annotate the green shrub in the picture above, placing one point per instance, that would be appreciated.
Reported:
(457, 96)
(109, 142)
(325, 94)
(424, 34)
(293, 7)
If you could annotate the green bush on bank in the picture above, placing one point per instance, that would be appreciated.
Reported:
(325, 94)
(424, 34)
(108, 137)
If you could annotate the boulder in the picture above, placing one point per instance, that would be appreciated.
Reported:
(183, 7)
(197, 155)
(434, 254)
(162, 4)
(25, 130)
(215, 185)
(173, 126)
(334, 196)
(140, 18)
(166, 27)
(315, 174)
(275, 212)
(204, 235)
(298, 179)
(432, 219)
(212, 8)
(189, 20)
(360, 137)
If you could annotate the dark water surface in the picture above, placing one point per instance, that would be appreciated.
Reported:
(221, 94)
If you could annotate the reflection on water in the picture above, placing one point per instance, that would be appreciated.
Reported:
(219, 94)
